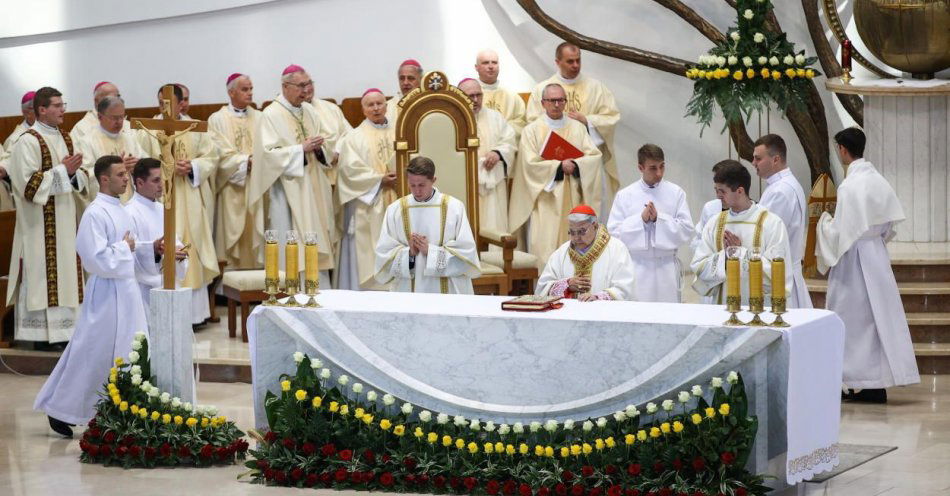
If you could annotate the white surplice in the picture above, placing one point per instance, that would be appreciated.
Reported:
(148, 219)
(653, 245)
(611, 270)
(709, 261)
(452, 261)
(495, 134)
(878, 352)
(785, 197)
(111, 314)
(711, 209)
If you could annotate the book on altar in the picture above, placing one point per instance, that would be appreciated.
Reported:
(532, 303)
(557, 148)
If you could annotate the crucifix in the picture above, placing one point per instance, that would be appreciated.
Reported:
(166, 130)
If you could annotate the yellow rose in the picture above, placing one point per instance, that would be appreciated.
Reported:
(334, 406)
(123, 406)
(156, 416)
(776, 75)
(118, 361)
(701, 74)
(205, 421)
(689, 73)
(809, 73)
(446, 441)
(565, 452)
(499, 447)
(113, 378)
(654, 432)
(459, 443)
(358, 413)
(724, 409)
(599, 444)
(300, 394)
(629, 439)
(472, 448)
(709, 75)
(697, 418)
(790, 73)
(737, 75)
(510, 449)
(191, 422)
(178, 420)
(710, 412)
(765, 73)
(285, 385)
(317, 401)
(344, 410)
(143, 413)
(135, 409)
(113, 371)
(432, 437)
(166, 419)
(587, 449)
(385, 424)
(665, 427)
(610, 442)
(548, 451)
(641, 435)
(399, 430)
(489, 448)
(677, 427)
(116, 399)
(538, 449)
(575, 450)
(367, 419)
(418, 433)
(750, 73)
(800, 72)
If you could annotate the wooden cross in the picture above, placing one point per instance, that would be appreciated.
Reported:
(166, 131)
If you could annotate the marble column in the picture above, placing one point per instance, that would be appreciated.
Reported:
(170, 342)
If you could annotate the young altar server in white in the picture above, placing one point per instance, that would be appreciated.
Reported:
(148, 221)
(878, 352)
(426, 243)
(745, 225)
(112, 311)
(785, 198)
(652, 219)
(593, 265)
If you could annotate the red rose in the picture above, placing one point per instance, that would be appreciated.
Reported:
(165, 449)
(615, 491)
(492, 487)
(631, 492)
(262, 464)
(128, 440)
(280, 476)
(587, 470)
(597, 491)
(223, 453)
(93, 422)
(509, 488)
(610, 469)
(206, 451)
(109, 437)
(409, 462)
(633, 469)
(184, 451)
(368, 477)
(439, 481)
(741, 491)
(386, 479)
(328, 450)
(270, 437)
(135, 451)
(577, 490)
(544, 491)
(677, 464)
(121, 451)
(699, 464)
(269, 474)
(658, 467)
(288, 443)
(524, 490)
(94, 433)
(326, 478)
(340, 475)
(356, 477)
(567, 476)
(296, 474)
(242, 446)
(470, 483)
(728, 458)
(149, 452)
(455, 483)
(308, 448)
(665, 492)
(93, 450)
(369, 457)
(346, 455)
(560, 489)
(424, 479)
(409, 479)
(699, 493)
(311, 480)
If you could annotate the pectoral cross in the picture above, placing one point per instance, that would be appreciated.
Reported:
(166, 130)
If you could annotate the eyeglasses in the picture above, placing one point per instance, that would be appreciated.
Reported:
(556, 101)
(301, 86)
(580, 232)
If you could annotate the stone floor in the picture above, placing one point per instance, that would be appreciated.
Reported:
(34, 462)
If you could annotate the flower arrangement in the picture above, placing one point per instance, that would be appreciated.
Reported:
(138, 425)
(749, 69)
(337, 435)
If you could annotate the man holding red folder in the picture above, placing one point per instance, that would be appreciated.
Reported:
(558, 168)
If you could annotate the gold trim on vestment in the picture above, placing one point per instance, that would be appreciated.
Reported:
(721, 227)
(444, 207)
(583, 263)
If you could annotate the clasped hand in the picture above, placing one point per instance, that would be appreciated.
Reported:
(183, 167)
(649, 213)
(418, 244)
(579, 284)
(312, 143)
(158, 246)
(72, 163)
(730, 239)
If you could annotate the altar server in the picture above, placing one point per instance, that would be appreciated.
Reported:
(785, 198)
(878, 352)
(426, 243)
(112, 311)
(652, 219)
(745, 225)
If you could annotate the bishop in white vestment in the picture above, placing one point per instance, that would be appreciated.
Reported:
(26, 108)
(410, 77)
(878, 352)
(651, 217)
(508, 103)
(593, 265)
(90, 120)
(426, 243)
(113, 311)
(109, 137)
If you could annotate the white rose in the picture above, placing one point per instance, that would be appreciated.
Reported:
(550, 425)
(146, 387)
(136, 380)
(704, 59)
(357, 388)
(133, 356)
(763, 60)
(459, 420)
(425, 416)
(720, 61)
(343, 380)
(601, 422)
(683, 397)
(388, 399)
(697, 390)
(475, 425)
(490, 426)
(406, 408)
(504, 429)
(733, 377)
(298, 357)
(747, 61)
(651, 407)
(316, 363)
(534, 426)
(733, 60)
(568, 424)
(800, 59)
(187, 406)
(212, 410)
(734, 35)
(631, 411)
(748, 14)
(166, 397)
(176, 402)
(325, 373)
(139, 336)
(668, 405)
(154, 393)
(371, 396)
(587, 426)
(758, 38)
(773, 60)
(716, 382)
(442, 418)
(620, 416)
(136, 345)
(789, 60)
(135, 370)
(518, 428)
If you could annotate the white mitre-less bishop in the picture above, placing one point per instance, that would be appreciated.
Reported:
(878, 352)
(97, 142)
(111, 315)
(366, 155)
(653, 245)
(784, 197)
(508, 103)
(757, 228)
(541, 195)
(148, 224)
(48, 291)
(494, 135)
(234, 235)
(452, 261)
(605, 261)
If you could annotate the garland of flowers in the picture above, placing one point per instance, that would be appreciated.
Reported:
(138, 425)
(750, 69)
(335, 436)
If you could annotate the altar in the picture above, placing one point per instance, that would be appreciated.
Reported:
(463, 355)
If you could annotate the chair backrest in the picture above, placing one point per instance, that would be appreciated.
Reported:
(436, 120)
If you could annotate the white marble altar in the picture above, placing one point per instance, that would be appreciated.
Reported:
(461, 354)
(170, 341)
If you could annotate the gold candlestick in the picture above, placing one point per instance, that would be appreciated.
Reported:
(756, 302)
(311, 268)
(846, 76)
(733, 295)
(778, 286)
(271, 275)
(778, 308)
(291, 269)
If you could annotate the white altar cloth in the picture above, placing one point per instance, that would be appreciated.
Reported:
(461, 354)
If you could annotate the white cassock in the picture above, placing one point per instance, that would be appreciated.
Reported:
(756, 227)
(878, 352)
(96, 143)
(508, 103)
(112, 314)
(653, 245)
(711, 209)
(494, 135)
(90, 122)
(148, 221)
(784, 197)
(49, 289)
(452, 261)
(606, 261)
(17, 132)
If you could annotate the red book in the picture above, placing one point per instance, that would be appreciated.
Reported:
(557, 148)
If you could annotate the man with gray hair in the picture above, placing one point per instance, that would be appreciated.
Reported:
(26, 108)
(410, 77)
(109, 137)
(593, 265)
(90, 121)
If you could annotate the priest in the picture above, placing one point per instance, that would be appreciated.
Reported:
(367, 185)
(45, 171)
(196, 161)
(784, 197)
(710, 210)
(426, 243)
(745, 225)
(90, 121)
(544, 190)
(505, 101)
(26, 108)
(333, 120)
(109, 137)
(148, 224)
(113, 311)
(232, 130)
(410, 77)
(497, 148)
(290, 155)
(878, 352)
(651, 217)
(593, 265)
(588, 101)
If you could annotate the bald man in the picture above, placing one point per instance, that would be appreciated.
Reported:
(505, 101)
(90, 121)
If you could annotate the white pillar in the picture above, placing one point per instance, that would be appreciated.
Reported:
(170, 341)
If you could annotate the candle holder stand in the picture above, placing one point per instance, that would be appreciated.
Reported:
(846, 76)
(756, 307)
(733, 306)
(313, 289)
(293, 287)
(270, 289)
(778, 308)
